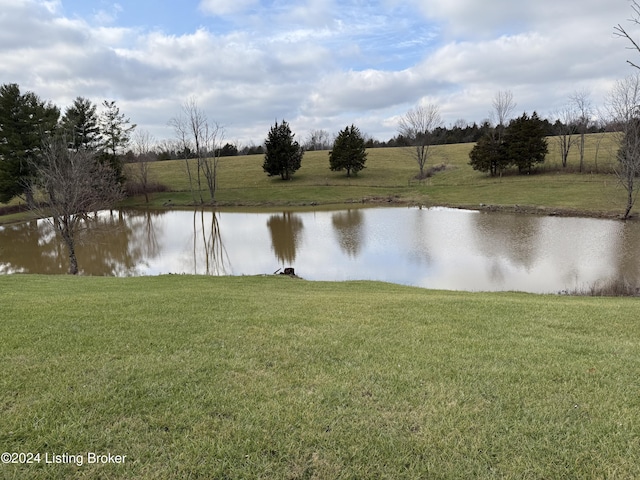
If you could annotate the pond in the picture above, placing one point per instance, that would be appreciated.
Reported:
(433, 248)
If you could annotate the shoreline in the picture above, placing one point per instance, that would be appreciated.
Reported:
(22, 212)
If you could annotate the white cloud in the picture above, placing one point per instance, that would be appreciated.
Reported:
(226, 7)
(318, 63)
(105, 17)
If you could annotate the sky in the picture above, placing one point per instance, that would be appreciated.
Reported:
(318, 64)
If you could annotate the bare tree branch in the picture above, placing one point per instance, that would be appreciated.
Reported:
(194, 131)
(620, 31)
(503, 107)
(74, 185)
(417, 125)
(623, 109)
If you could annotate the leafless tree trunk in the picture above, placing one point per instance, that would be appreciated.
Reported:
(503, 107)
(582, 103)
(210, 156)
(623, 104)
(74, 185)
(183, 140)
(194, 130)
(142, 145)
(601, 125)
(565, 131)
(417, 125)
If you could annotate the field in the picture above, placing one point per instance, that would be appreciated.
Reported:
(389, 176)
(274, 377)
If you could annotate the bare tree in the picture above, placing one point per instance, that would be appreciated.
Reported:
(318, 140)
(74, 184)
(195, 133)
(623, 104)
(416, 126)
(565, 129)
(601, 125)
(209, 156)
(503, 107)
(582, 103)
(142, 147)
(183, 142)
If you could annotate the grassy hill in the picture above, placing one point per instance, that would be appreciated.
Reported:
(273, 377)
(390, 177)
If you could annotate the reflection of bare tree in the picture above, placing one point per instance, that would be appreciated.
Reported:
(153, 246)
(109, 243)
(143, 241)
(348, 227)
(626, 253)
(285, 234)
(419, 245)
(216, 260)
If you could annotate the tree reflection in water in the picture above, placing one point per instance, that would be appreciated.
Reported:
(285, 232)
(348, 228)
(207, 234)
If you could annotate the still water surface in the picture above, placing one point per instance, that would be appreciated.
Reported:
(433, 248)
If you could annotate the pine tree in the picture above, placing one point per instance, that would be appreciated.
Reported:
(116, 132)
(489, 154)
(80, 125)
(525, 142)
(348, 152)
(283, 154)
(24, 121)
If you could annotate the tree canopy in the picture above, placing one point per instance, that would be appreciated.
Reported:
(348, 152)
(523, 144)
(80, 125)
(24, 119)
(489, 154)
(116, 131)
(283, 154)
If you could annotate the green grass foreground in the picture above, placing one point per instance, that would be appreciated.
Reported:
(273, 377)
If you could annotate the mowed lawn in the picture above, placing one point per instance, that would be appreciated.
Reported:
(274, 377)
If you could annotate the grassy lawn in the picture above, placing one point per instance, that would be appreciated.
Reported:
(272, 377)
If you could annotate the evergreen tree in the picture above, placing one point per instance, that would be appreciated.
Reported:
(489, 154)
(283, 154)
(348, 151)
(116, 131)
(525, 142)
(24, 121)
(80, 125)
